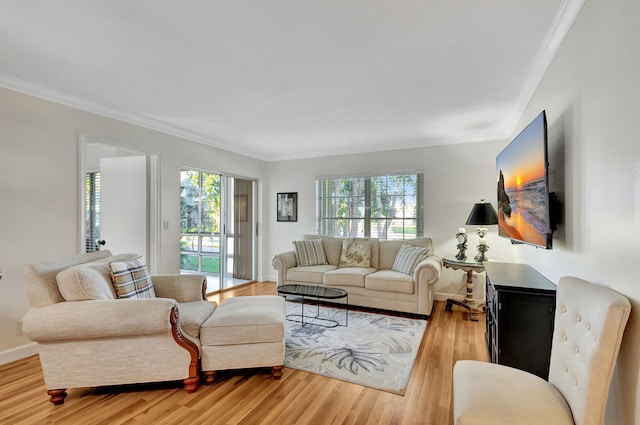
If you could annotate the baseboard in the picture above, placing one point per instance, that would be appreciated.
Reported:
(443, 296)
(18, 353)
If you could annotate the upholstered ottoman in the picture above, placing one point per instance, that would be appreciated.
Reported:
(244, 332)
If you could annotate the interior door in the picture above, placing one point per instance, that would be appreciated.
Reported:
(124, 204)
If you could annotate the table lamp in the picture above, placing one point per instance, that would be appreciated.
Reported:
(482, 214)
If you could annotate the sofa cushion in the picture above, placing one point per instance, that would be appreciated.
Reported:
(390, 281)
(40, 278)
(131, 279)
(245, 320)
(347, 276)
(375, 253)
(309, 253)
(408, 258)
(356, 252)
(332, 247)
(86, 283)
(389, 249)
(90, 280)
(311, 274)
(193, 314)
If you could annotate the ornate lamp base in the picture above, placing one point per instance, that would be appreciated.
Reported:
(480, 257)
(482, 253)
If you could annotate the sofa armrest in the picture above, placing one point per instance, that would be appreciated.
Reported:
(283, 262)
(428, 270)
(183, 288)
(75, 320)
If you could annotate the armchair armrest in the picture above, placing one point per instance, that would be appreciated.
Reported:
(283, 262)
(92, 319)
(183, 288)
(428, 270)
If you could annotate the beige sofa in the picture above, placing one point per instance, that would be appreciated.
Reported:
(88, 338)
(376, 286)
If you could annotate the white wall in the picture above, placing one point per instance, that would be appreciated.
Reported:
(39, 196)
(455, 178)
(591, 94)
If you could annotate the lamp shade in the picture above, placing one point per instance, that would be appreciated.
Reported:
(483, 214)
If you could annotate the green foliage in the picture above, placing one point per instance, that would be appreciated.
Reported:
(199, 214)
(199, 202)
(408, 230)
(369, 205)
(190, 263)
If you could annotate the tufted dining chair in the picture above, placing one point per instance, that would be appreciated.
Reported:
(589, 323)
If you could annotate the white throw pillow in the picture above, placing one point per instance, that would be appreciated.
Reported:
(310, 253)
(408, 258)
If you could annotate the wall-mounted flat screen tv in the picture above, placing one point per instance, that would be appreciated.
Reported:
(523, 187)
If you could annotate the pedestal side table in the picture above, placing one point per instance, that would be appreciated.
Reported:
(474, 306)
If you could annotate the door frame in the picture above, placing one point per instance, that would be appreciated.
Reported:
(153, 211)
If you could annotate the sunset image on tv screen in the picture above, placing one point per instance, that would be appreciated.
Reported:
(522, 186)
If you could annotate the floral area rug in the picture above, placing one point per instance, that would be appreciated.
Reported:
(374, 350)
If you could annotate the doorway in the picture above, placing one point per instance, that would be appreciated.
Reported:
(216, 228)
(118, 195)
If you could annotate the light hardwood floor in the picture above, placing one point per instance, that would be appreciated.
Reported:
(253, 396)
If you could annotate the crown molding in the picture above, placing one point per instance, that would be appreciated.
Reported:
(565, 17)
(75, 102)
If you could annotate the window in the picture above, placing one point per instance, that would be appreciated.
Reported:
(384, 207)
(92, 211)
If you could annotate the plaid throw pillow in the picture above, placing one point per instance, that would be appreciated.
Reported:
(131, 279)
(310, 253)
(408, 258)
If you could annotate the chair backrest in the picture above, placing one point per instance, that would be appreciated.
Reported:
(40, 279)
(589, 323)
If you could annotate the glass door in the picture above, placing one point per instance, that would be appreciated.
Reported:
(216, 228)
(200, 225)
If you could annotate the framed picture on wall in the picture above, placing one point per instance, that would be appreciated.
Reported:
(287, 206)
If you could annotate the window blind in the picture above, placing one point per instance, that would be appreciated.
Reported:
(384, 207)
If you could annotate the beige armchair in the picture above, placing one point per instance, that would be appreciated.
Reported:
(589, 324)
(88, 338)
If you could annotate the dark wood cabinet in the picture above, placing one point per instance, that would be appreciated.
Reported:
(520, 314)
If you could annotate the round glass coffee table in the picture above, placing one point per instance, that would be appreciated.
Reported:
(317, 294)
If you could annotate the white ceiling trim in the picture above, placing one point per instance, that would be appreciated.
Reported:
(564, 19)
(59, 97)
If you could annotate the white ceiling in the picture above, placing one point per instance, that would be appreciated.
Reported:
(283, 79)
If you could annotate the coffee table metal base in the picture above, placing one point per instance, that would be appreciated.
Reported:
(317, 293)
(317, 320)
